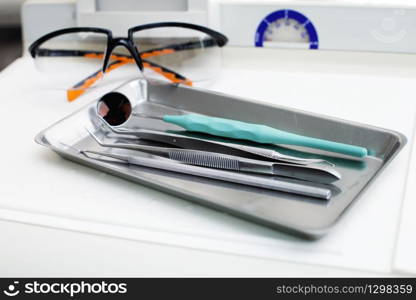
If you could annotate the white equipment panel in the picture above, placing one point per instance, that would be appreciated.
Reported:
(380, 26)
(329, 25)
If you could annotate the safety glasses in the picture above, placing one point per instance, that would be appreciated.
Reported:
(169, 52)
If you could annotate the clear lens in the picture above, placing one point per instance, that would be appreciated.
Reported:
(178, 55)
(73, 60)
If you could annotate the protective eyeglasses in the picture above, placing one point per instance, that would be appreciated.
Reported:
(170, 52)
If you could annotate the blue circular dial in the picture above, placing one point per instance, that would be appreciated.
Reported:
(286, 28)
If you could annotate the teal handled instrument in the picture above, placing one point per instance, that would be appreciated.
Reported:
(258, 133)
(116, 109)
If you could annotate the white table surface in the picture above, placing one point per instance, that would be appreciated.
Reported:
(60, 218)
(404, 259)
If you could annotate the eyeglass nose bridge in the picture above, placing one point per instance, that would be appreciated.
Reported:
(116, 42)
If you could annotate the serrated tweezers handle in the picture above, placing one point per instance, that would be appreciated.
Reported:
(206, 160)
(271, 184)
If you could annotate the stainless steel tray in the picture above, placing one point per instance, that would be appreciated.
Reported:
(306, 217)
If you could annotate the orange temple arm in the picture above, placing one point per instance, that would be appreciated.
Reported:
(79, 89)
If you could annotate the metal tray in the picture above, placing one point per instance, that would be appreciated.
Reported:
(305, 217)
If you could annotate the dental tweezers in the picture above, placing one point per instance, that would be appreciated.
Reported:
(256, 181)
(320, 174)
(212, 146)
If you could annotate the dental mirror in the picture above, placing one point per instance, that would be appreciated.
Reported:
(115, 108)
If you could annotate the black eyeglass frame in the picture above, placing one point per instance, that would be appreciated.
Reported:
(113, 42)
